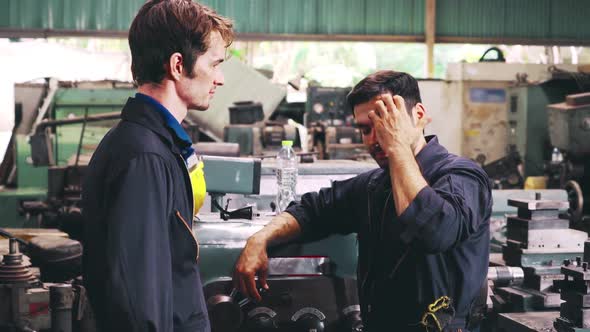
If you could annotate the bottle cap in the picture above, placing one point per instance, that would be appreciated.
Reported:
(287, 143)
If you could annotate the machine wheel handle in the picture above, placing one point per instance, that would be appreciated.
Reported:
(576, 199)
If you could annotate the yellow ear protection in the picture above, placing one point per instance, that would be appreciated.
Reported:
(198, 185)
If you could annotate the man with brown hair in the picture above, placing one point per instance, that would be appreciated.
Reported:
(422, 218)
(140, 192)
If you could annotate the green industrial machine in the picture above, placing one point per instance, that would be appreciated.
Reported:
(527, 120)
(55, 129)
(569, 130)
(313, 285)
(60, 138)
(51, 157)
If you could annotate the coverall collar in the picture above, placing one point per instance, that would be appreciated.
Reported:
(146, 115)
(181, 138)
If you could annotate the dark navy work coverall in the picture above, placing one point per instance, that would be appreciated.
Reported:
(140, 256)
(439, 246)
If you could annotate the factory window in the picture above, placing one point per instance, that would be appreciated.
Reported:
(329, 63)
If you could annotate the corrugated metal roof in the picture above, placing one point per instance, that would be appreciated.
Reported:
(518, 19)
(280, 21)
(540, 20)
(403, 17)
(359, 17)
(569, 19)
(70, 14)
(406, 17)
(319, 17)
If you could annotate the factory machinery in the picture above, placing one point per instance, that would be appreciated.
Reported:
(537, 266)
(312, 285)
(323, 126)
(550, 246)
(549, 295)
(42, 176)
(569, 130)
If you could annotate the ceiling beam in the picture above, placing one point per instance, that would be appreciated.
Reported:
(430, 36)
(46, 33)
(512, 41)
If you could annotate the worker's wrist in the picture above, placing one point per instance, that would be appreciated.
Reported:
(259, 238)
(398, 151)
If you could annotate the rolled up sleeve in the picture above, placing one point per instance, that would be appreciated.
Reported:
(446, 213)
(331, 210)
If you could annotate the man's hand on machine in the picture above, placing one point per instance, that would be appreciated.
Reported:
(253, 261)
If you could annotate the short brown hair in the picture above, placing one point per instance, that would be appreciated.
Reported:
(384, 81)
(164, 27)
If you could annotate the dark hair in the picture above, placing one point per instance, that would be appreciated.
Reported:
(394, 82)
(164, 27)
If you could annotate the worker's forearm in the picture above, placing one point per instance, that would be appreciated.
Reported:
(280, 229)
(406, 178)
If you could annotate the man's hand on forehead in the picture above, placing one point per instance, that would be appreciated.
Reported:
(397, 103)
(393, 125)
(393, 103)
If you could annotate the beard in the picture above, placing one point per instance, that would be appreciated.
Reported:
(379, 155)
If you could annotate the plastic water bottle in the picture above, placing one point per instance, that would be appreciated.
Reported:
(286, 175)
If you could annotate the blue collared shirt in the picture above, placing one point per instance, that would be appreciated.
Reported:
(181, 138)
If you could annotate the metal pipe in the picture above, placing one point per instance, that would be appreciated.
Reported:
(9, 235)
(79, 119)
(13, 246)
(52, 86)
(506, 275)
(82, 135)
(61, 300)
